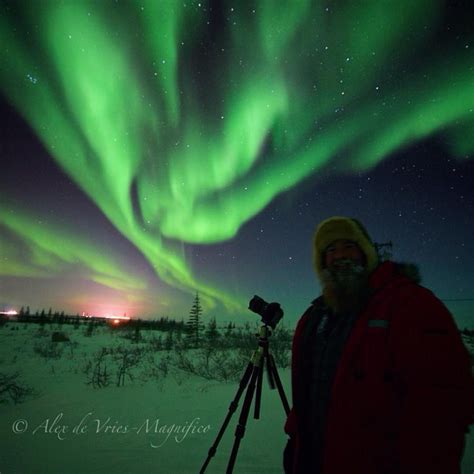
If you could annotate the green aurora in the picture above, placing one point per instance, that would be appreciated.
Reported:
(51, 248)
(181, 130)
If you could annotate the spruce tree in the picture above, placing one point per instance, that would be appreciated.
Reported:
(194, 326)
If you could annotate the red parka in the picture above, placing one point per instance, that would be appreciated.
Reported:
(403, 393)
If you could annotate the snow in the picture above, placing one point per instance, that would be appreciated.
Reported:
(112, 437)
(176, 400)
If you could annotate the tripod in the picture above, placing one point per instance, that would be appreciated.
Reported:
(252, 377)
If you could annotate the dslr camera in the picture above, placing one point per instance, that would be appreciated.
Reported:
(271, 313)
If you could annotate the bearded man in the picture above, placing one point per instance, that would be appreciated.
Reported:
(381, 380)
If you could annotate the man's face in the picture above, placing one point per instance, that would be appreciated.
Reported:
(345, 278)
(340, 252)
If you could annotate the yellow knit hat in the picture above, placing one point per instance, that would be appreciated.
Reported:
(342, 228)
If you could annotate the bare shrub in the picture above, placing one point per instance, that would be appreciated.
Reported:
(126, 358)
(41, 332)
(210, 363)
(71, 347)
(115, 362)
(156, 343)
(12, 389)
(58, 336)
(96, 369)
(48, 350)
(160, 368)
(157, 370)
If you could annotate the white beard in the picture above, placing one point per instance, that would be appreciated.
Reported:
(345, 285)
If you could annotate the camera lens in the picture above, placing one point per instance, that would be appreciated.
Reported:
(258, 305)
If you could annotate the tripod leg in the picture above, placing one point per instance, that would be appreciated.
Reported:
(258, 393)
(232, 407)
(244, 414)
(271, 380)
(276, 377)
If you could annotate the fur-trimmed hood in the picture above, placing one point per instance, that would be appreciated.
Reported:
(409, 270)
(342, 228)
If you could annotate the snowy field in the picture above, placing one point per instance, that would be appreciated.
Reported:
(162, 424)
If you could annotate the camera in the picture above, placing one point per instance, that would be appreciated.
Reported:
(271, 313)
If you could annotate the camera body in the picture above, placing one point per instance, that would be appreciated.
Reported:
(271, 313)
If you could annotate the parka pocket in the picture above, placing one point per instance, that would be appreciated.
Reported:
(375, 351)
(378, 380)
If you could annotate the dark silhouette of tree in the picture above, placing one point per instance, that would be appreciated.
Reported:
(137, 336)
(21, 315)
(90, 328)
(194, 326)
(212, 334)
(169, 341)
(179, 336)
(229, 329)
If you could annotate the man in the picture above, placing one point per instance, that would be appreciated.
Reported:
(381, 380)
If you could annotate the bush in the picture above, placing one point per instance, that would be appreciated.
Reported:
(118, 361)
(59, 336)
(125, 359)
(156, 370)
(225, 358)
(211, 363)
(156, 344)
(12, 389)
(96, 369)
(48, 350)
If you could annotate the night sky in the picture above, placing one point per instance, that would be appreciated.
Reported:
(152, 149)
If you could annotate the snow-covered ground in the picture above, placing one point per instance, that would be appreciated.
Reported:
(113, 435)
(70, 427)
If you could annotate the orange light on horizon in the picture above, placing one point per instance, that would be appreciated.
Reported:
(116, 318)
(106, 316)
